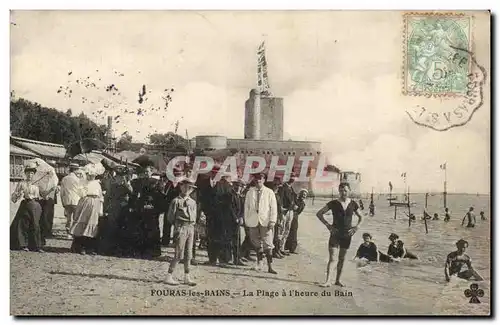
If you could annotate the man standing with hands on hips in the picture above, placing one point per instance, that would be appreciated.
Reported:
(341, 230)
(260, 217)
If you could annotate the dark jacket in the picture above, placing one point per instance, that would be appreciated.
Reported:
(288, 196)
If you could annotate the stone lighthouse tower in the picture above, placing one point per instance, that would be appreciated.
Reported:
(263, 112)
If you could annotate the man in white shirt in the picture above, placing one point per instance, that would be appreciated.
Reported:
(70, 194)
(261, 214)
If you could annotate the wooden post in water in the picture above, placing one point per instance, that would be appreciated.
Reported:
(425, 222)
(444, 193)
(395, 211)
(409, 208)
(426, 196)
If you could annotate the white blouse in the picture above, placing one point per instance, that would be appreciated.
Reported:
(92, 188)
(26, 190)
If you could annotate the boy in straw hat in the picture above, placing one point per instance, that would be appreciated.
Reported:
(182, 213)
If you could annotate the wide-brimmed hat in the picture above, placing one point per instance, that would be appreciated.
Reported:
(30, 166)
(304, 191)
(144, 161)
(74, 166)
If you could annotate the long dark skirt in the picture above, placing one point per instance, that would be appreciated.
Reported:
(47, 218)
(109, 237)
(129, 233)
(213, 245)
(150, 235)
(82, 244)
(25, 228)
(291, 242)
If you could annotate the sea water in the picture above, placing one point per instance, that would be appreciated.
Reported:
(413, 286)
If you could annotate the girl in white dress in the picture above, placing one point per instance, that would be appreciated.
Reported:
(88, 210)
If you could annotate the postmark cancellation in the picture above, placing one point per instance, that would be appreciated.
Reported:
(440, 71)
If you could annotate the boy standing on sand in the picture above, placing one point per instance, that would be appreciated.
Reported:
(182, 213)
(341, 230)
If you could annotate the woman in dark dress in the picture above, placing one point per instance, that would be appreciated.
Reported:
(145, 202)
(291, 242)
(116, 205)
(25, 231)
(226, 207)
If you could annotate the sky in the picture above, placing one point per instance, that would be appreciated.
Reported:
(338, 72)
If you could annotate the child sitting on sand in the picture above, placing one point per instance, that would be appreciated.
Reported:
(182, 213)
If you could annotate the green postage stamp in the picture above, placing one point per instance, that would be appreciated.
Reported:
(432, 61)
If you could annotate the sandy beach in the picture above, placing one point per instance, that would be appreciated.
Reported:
(61, 283)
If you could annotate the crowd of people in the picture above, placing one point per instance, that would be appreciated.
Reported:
(111, 211)
(115, 212)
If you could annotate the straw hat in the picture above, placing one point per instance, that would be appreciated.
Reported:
(73, 166)
(187, 180)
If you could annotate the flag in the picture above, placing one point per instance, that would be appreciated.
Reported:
(262, 77)
(443, 166)
(262, 48)
(390, 186)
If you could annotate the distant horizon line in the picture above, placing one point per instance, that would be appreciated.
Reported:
(432, 193)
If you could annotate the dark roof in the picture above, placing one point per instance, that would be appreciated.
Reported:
(119, 158)
(44, 149)
(93, 157)
(15, 150)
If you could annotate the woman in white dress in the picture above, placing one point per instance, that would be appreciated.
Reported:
(25, 228)
(88, 210)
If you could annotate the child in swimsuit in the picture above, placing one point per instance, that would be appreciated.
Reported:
(455, 262)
